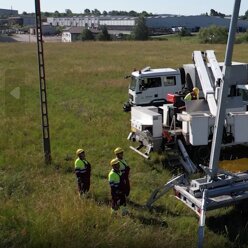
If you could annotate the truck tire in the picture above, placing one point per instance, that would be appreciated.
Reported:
(126, 107)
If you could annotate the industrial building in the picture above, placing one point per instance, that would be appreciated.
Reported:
(8, 12)
(80, 21)
(161, 23)
(71, 34)
(24, 20)
(193, 23)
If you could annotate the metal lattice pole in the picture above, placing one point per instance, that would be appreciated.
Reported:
(43, 94)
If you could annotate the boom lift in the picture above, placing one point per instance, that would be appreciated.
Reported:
(218, 188)
(159, 127)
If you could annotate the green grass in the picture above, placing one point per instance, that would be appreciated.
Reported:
(39, 205)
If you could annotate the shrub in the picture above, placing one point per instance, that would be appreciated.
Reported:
(184, 32)
(243, 38)
(104, 35)
(213, 34)
(87, 35)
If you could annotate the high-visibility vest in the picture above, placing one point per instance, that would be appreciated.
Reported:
(123, 166)
(81, 166)
(190, 96)
(114, 179)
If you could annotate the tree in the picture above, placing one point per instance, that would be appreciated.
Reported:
(105, 13)
(87, 35)
(87, 12)
(132, 13)
(104, 35)
(246, 14)
(184, 32)
(47, 14)
(140, 31)
(215, 13)
(68, 12)
(144, 13)
(96, 12)
(213, 34)
(56, 13)
(24, 13)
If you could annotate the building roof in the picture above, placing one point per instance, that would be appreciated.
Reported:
(79, 30)
(76, 30)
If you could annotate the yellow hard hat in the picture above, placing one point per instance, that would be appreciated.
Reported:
(196, 90)
(79, 151)
(114, 161)
(118, 150)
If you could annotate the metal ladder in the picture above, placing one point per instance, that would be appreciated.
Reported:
(43, 94)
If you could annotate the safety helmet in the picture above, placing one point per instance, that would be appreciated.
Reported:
(79, 151)
(118, 150)
(114, 161)
(196, 90)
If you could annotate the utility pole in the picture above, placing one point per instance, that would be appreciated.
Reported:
(43, 94)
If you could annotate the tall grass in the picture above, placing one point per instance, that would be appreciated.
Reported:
(39, 205)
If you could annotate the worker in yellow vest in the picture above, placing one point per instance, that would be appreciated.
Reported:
(116, 186)
(82, 171)
(192, 95)
(124, 168)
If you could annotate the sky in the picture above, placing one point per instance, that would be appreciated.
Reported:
(178, 7)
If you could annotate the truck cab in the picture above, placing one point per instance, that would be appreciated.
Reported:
(150, 86)
(242, 90)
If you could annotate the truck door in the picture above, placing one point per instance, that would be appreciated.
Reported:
(171, 84)
(151, 90)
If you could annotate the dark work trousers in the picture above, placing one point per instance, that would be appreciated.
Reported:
(118, 199)
(83, 183)
(127, 186)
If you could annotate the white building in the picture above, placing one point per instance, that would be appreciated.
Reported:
(81, 21)
(125, 24)
(72, 34)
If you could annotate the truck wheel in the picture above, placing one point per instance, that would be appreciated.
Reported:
(126, 107)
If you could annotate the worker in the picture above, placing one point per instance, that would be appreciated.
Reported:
(83, 172)
(124, 168)
(116, 185)
(192, 95)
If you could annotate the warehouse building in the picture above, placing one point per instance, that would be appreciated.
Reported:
(118, 24)
(83, 21)
(160, 23)
(193, 23)
(8, 12)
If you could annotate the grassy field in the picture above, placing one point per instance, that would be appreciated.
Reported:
(39, 204)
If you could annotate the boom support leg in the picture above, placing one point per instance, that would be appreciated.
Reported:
(202, 220)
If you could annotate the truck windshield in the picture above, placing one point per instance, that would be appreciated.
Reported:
(132, 85)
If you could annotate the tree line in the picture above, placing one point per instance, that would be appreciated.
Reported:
(94, 12)
(132, 13)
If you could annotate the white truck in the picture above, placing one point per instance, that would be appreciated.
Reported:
(150, 86)
(157, 128)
